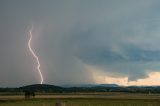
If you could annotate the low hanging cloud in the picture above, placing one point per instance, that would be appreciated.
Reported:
(117, 56)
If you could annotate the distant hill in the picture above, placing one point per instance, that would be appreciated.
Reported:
(108, 85)
(77, 85)
(89, 85)
(42, 87)
(45, 88)
(69, 88)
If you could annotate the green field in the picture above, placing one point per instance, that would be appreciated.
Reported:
(83, 100)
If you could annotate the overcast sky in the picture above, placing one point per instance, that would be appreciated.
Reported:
(80, 41)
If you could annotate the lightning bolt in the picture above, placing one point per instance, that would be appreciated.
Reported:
(34, 55)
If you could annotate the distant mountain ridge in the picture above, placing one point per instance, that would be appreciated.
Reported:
(67, 88)
(46, 88)
(89, 85)
(108, 85)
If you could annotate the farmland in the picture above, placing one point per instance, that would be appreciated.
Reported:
(88, 99)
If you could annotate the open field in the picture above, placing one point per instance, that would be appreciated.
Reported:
(120, 99)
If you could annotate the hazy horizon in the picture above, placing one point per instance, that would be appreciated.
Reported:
(80, 42)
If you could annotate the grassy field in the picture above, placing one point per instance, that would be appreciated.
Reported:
(119, 99)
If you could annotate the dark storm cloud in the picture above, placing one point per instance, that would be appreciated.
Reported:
(119, 37)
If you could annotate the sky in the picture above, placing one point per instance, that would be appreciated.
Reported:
(80, 42)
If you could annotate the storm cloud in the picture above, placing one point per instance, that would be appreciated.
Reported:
(119, 37)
